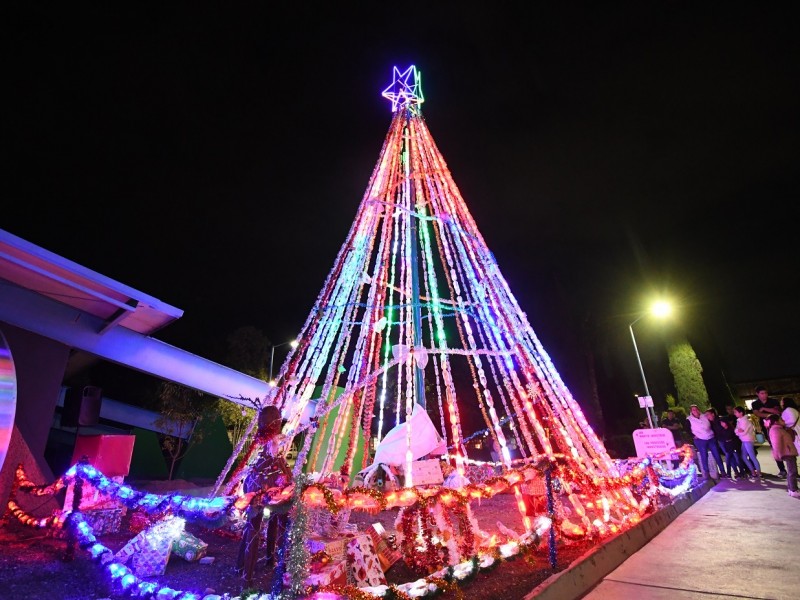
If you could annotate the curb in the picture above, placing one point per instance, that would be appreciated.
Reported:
(588, 570)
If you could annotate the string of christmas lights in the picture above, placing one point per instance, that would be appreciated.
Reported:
(443, 504)
(414, 311)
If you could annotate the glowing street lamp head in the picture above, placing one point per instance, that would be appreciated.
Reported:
(661, 309)
(294, 343)
(405, 89)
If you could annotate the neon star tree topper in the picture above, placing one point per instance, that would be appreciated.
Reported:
(406, 88)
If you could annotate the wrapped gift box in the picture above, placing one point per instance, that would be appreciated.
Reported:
(334, 547)
(189, 547)
(91, 497)
(386, 555)
(109, 454)
(152, 558)
(323, 523)
(364, 565)
(334, 573)
(426, 472)
(104, 520)
(149, 550)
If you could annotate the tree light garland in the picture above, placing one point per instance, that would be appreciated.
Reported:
(413, 281)
(635, 472)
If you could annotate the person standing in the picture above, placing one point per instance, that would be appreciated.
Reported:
(704, 441)
(270, 473)
(671, 422)
(719, 434)
(729, 416)
(747, 434)
(729, 441)
(783, 449)
(764, 407)
(791, 416)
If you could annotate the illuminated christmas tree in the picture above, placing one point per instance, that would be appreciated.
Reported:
(414, 326)
(416, 313)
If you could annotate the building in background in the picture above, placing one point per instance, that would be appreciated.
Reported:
(57, 316)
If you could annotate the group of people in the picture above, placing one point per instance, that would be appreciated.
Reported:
(733, 436)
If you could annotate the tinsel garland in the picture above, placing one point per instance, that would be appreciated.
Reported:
(429, 557)
(239, 472)
(376, 495)
(475, 528)
(11, 496)
(551, 509)
(236, 451)
(26, 485)
(302, 455)
(297, 551)
(330, 499)
(358, 403)
(447, 534)
(359, 498)
(446, 586)
(280, 562)
(347, 591)
(465, 528)
(433, 556)
(395, 593)
(191, 508)
(54, 520)
(131, 585)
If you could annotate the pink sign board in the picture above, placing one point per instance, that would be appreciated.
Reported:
(650, 442)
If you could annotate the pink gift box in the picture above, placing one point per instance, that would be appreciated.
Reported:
(109, 454)
(427, 472)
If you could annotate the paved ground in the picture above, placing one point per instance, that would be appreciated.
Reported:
(740, 540)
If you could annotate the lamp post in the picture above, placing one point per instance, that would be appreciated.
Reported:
(641, 370)
(293, 344)
(659, 309)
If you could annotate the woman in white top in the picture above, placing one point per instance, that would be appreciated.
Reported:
(791, 417)
(747, 433)
(705, 441)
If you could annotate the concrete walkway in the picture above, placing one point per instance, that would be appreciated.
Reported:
(740, 540)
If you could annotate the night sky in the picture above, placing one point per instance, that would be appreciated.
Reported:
(214, 159)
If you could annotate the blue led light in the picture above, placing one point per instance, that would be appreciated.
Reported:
(146, 588)
(117, 570)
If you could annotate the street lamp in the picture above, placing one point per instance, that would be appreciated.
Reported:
(660, 309)
(293, 344)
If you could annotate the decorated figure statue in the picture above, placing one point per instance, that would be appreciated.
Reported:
(269, 473)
